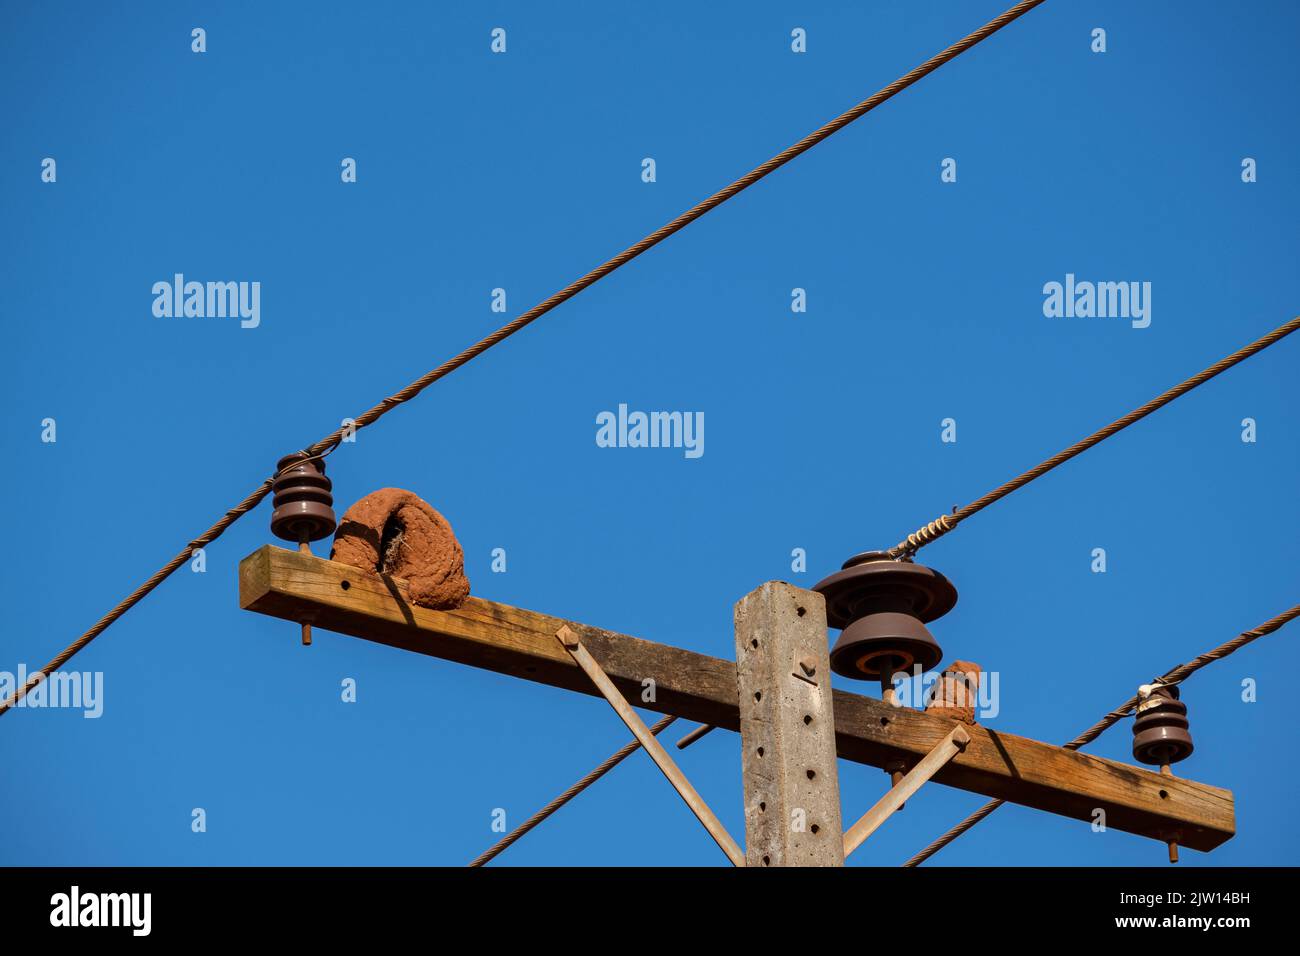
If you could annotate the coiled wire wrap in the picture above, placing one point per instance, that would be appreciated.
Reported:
(923, 536)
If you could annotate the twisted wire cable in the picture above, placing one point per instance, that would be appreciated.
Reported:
(1173, 676)
(372, 415)
(945, 523)
(608, 764)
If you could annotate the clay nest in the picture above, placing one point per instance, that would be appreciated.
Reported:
(395, 532)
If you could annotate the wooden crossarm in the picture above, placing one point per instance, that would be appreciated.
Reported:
(509, 640)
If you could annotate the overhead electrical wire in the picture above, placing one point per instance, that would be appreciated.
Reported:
(330, 442)
(1173, 676)
(604, 767)
(945, 523)
(909, 546)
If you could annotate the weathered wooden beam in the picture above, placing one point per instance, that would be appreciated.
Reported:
(509, 640)
(899, 793)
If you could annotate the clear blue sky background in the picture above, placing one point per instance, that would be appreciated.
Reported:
(523, 171)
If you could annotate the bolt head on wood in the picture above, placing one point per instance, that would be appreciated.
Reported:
(568, 637)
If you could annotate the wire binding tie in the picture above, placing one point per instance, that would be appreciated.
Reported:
(923, 536)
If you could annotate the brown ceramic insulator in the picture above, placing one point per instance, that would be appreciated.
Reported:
(1160, 729)
(883, 605)
(303, 503)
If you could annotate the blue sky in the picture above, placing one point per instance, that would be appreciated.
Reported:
(522, 171)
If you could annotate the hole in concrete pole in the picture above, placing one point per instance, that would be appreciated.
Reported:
(815, 828)
(807, 719)
(758, 695)
(760, 751)
(762, 806)
(802, 611)
(754, 643)
(811, 774)
(767, 861)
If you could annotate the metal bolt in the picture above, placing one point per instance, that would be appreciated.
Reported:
(305, 548)
(1173, 844)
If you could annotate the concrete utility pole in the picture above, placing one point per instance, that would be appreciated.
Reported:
(787, 729)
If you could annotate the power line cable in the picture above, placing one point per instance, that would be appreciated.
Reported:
(945, 523)
(1174, 676)
(330, 442)
(608, 764)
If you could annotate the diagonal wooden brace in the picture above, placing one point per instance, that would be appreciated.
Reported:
(582, 657)
(926, 768)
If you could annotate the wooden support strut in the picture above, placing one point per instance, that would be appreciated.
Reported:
(569, 639)
(509, 640)
(911, 782)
